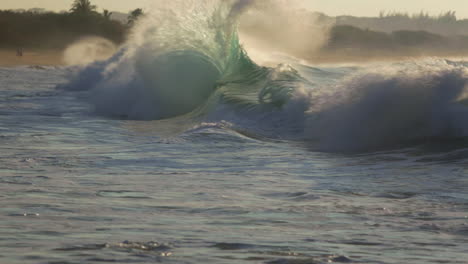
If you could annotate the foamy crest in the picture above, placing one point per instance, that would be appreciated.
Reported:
(184, 59)
(403, 103)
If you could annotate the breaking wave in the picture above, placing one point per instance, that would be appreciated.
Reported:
(185, 59)
(411, 102)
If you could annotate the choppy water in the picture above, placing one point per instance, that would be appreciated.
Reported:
(182, 149)
(76, 187)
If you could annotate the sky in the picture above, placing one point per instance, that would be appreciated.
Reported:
(330, 7)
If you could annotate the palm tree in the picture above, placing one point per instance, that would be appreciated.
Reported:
(106, 14)
(134, 15)
(82, 7)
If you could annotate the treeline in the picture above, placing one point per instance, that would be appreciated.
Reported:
(36, 29)
(446, 24)
(354, 41)
(389, 34)
(52, 30)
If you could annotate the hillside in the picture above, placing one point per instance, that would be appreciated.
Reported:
(48, 30)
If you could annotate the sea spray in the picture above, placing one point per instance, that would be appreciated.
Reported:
(174, 60)
(88, 50)
(184, 59)
(410, 102)
(273, 30)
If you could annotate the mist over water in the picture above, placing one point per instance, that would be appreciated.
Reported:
(282, 27)
(88, 50)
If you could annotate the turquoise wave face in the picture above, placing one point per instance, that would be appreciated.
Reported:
(188, 62)
(179, 82)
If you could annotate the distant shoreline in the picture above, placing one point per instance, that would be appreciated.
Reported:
(54, 57)
(46, 57)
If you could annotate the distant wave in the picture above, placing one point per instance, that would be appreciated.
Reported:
(395, 104)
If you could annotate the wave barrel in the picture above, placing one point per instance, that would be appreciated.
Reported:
(178, 81)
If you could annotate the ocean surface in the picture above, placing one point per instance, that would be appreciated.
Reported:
(186, 150)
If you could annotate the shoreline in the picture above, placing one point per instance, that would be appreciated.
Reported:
(54, 57)
(8, 58)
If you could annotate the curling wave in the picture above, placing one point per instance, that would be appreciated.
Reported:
(185, 59)
(179, 59)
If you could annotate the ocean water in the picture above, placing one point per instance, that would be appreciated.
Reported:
(185, 150)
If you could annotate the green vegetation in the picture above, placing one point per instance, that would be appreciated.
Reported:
(446, 24)
(107, 14)
(394, 34)
(38, 29)
(354, 41)
(83, 8)
(390, 34)
(134, 15)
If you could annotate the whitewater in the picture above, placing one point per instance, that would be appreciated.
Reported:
(187, 146)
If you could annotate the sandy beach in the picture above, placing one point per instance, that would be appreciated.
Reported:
(8, 57)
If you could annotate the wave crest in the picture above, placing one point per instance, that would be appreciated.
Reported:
(410, 102)
(185, 59)
(171, 64)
